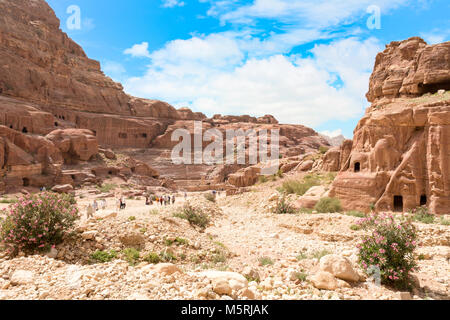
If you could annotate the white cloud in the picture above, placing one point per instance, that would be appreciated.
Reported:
(436, 36)
(138, 50)
(332, 134)
(309, 13)
(172, 3)
(212, 74)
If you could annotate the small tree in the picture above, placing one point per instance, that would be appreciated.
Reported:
(389, 248)
(38, 222)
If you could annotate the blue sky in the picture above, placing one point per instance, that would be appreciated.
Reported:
(306, 62)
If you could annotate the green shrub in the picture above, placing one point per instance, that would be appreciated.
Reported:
(37, 222)
(390, 247)
(262, 179)
(8, 201)
(357, 214)
(355, 227)
(167, 256)
(300, 187)
(328, 205)
(181, 241)
(301, 276)
(284, 207)
(107, 187)
(103, 256)
(319, 254)
(131, 255)
(153, 258)
(266, 261)
(421, 214)
(445, 222)
(132, 218)
(219, 257)
(195, 216)
(323, 149)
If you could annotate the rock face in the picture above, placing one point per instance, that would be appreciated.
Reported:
(410, 68)
(335, 158)
(400, 154)
(50, 88)
(75, 144)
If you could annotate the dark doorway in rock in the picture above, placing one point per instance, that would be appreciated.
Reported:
(434, 87)
(423, 200)
(26, 182)
(73, 177)
(56, 124)
(357, 166)
(398, 203)
(11, 126)
(24, 130)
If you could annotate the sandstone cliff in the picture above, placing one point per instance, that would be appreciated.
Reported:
(401, 149)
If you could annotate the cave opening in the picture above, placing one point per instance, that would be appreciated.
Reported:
(26, 182)
(357, 166)
(398, 203)
(24, 130)
(56, 124)
(423, 200)
(434, 87)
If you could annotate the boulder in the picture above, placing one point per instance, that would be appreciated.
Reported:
(67, 188)
(306, 165)
(324, 280)
(132, 239)
(166, 268)
(338, 266)
(22, 277)
(235, 280)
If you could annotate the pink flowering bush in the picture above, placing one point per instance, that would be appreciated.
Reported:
(37, 222)
(390, 248)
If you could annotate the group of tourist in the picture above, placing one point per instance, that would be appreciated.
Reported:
(95, 206)
(161, 200)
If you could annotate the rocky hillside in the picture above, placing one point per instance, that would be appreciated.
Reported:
(48, 83)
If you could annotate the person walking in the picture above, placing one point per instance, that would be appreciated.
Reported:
(173, 199)
(89, 212)
(95, 205)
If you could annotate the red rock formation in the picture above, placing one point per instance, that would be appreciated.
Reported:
(401, 150)
(410, 68)
(48, 83)
(75, 144)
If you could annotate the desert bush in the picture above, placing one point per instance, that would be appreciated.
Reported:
(328, 205)
(262, 179)
(284, 207)
(266, 261)
(167, 256)
(107, 187)
(152, 258)
(421, 214)
(357, 214)
(38, 222)
(323, 149)
(195, 216)
(390, 247)
(7, 201)
(131, 255)
(103, 256)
